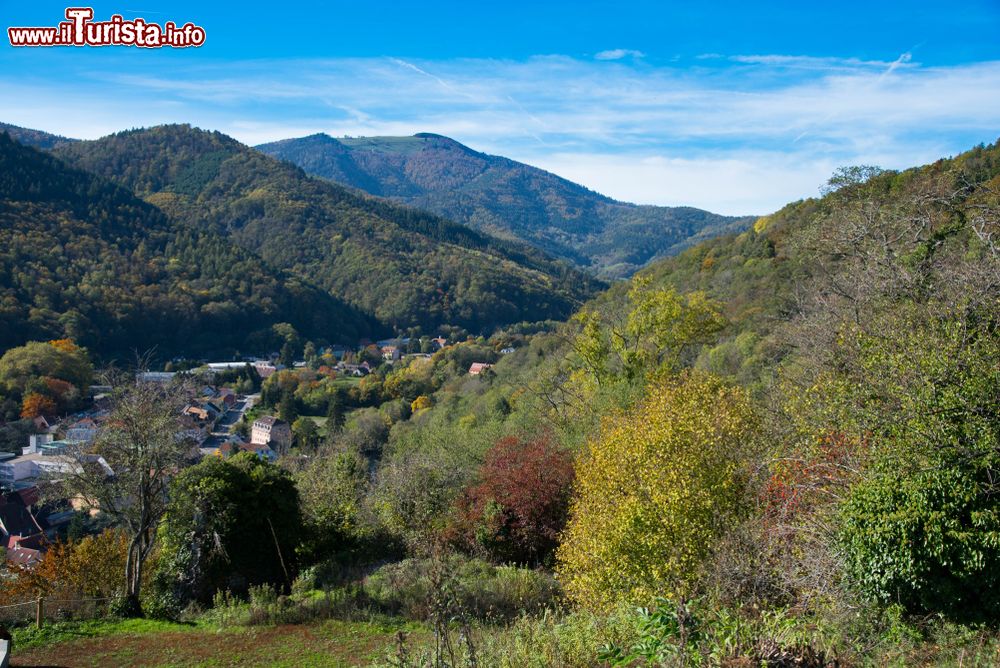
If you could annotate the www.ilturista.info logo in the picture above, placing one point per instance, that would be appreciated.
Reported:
(81, 30)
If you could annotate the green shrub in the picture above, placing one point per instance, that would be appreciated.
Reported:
(928, 540)
(476, 588)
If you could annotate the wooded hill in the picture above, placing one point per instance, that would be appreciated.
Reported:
(85, 259)
(506, 198)
(406, 267)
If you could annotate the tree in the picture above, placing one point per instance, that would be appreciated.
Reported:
(519, 507)
(659, 325)
(45, 368)
(421, 402)
(287, 409)
(35, 404)
(305, 431)
(657, 487)
(335, 413)
(231, 524)
(309, 353)
(125, 471)
(333, 488)
(926, 540)
(288, 354)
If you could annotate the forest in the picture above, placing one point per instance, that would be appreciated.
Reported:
(404, 267)
(83, 259)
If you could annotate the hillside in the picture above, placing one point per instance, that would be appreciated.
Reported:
(507, 198)
(34, 138)
(85, 259)
(805, 261)
(406, 267)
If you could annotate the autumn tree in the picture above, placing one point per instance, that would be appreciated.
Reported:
(654, 491)
(514, 514)
(44, 378)
(35, 404)
(653, 332)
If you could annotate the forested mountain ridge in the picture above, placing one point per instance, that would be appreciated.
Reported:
(34, 138)
(406, 267)
(506, 198)
(83, 258)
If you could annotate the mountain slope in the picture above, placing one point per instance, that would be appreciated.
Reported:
(34, 138)
(408, 268)
(83, 258)
(928, 231)
(506, 198)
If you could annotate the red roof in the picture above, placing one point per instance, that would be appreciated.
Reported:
(24, 556)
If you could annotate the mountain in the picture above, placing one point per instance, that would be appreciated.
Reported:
(83, 258)
(506, 198)
(34, 138)
(406, 267)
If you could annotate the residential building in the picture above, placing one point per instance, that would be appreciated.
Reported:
(271, 431)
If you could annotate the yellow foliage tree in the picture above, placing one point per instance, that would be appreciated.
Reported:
(659, 325)
(420, 403)
(655, 490)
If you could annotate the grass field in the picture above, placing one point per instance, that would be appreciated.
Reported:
(150, 643)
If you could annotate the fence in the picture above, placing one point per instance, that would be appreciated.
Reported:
(42, 609)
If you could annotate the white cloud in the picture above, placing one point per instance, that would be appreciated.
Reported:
(618, 54)
(740, 184)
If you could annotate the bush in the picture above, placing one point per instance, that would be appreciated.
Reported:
(476, 588)
(519, 507)
(656, 490)
(927, 540)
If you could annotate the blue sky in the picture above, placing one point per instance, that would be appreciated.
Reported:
(733, 107)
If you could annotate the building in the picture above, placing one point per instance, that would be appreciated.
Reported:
(439, 343)
(160, 377)
(265, 369)
(272, 432)
(84, 430)
(390, 353)
(479, 367)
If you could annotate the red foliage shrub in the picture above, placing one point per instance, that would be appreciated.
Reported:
(797, 485)
(517, 510)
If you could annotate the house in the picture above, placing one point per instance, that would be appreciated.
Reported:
(161, 377)
(271, 431)
(265, 369)
(390, 353)
(43, 425)
(507, 351)
(262, 451)
(26, 552)
(230, 448)
(355, 370)
(84, 430)
(439, 343)
(49, 461)
(226, 397)
(479, 367)
(16, 518)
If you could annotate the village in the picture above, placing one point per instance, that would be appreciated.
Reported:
(213, 423)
